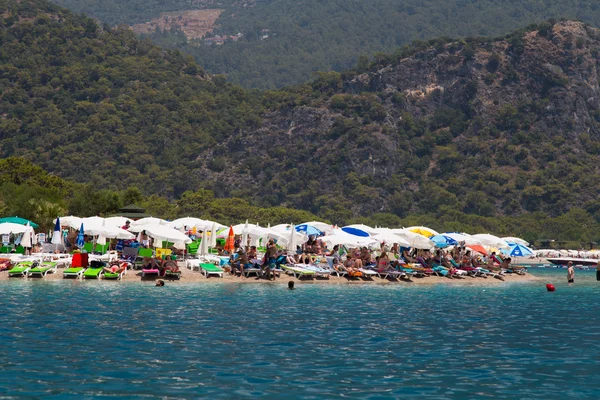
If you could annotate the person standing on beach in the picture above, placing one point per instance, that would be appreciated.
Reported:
(570, 273)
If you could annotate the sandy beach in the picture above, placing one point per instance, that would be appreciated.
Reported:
(188, 276)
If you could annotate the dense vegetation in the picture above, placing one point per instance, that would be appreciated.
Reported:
(315, 35)
(460, 135)
(101, 106)
(115, 12)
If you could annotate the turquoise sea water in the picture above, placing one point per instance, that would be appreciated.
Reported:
(88, 339)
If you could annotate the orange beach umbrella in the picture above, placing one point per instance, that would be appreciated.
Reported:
(229, 244)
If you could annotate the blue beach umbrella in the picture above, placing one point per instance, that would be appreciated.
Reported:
(518, 250)
(80, 239)
(355, 231)
(443, 241)
(308, 229)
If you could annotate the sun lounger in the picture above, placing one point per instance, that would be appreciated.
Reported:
(171, 270)
(297, 270)
(95, 270)
(211, 269)
(117, 275)
(150, 271)
(20, 270)
(42, 269)
(368, 272)
(73, 272)
(316, 269)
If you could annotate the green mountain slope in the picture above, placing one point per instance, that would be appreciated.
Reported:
(305, 36)
(105, 107)
(488, 127)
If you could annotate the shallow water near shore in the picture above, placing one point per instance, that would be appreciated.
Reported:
(72, 339)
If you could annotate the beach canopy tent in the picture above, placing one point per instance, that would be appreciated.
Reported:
(18, 220)
(10, 227)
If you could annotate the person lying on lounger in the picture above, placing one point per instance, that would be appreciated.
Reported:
(114, 268)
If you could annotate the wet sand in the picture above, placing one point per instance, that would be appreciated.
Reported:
(188, 276)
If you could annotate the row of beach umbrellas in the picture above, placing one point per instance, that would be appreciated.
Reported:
(290, 236)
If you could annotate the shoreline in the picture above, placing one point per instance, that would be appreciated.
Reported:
(188, 276)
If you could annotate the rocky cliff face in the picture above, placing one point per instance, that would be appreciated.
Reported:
(484, 126)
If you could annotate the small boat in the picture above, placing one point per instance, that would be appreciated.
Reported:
(563, 261)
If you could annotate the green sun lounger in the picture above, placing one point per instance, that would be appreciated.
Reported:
(114, 275)
(20, 270)
(42, 269)
(94, 271)
(75, 272)
(211, 269)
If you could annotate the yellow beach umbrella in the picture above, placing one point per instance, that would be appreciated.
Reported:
(422, 230)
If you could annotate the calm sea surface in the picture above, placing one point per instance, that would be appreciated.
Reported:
(90, 339)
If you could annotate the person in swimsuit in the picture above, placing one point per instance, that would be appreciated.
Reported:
(383, 262)
(114, 269)
(570, 273)
(270, 259)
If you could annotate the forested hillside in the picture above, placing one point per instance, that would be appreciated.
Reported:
(285, 41)
(449, 128)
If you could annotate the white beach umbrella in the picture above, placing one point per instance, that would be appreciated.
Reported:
(116, 221)
(10, 227)
(515, 240)
(414, 240)
(190, 222)
(490, 240)
(293, 241)
(339, 237)
(109, 232)
(162, 232)
(213, 236)
(27, 239)
(150, 220)
(391, 238)
(70, 221)
(204, 244)
(245, 235)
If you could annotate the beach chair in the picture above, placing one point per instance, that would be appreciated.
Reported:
(79, 263)
(192, 248)
(20, 270)
(172, 270)
(211, 269)
(319, 272)
(102, 249)
(298, 271)
(42, 269)
(88, 247)
(117, 275)
(95, 270)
